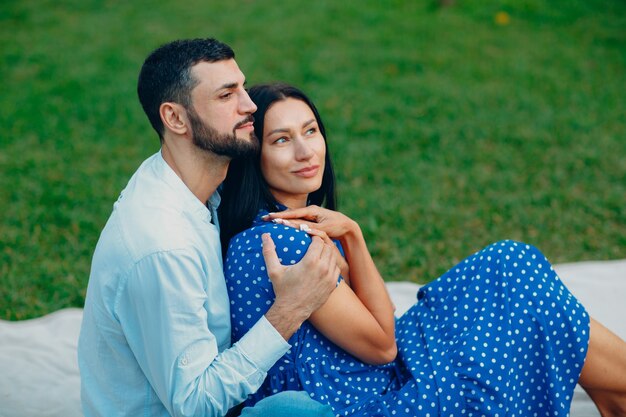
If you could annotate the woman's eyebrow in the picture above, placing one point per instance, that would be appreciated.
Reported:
(285, 130)
(308, 122)
(279, 130)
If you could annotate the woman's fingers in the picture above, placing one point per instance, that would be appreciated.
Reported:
(308, 212)
(307, 227)
(295, 223)
(334, 223)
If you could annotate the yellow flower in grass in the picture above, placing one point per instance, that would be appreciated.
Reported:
(502, 18)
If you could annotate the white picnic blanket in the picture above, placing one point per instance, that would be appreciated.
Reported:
(39, 373)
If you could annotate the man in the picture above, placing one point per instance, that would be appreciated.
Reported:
(155, 338)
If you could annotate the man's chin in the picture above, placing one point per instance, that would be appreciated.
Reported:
(248, 142)
(237, 145)
(244, 148)
(252, 149)
(245, 136)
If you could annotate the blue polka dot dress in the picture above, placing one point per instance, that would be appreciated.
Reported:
(497, 335)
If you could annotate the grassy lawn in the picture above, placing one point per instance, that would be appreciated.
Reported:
(450, 127)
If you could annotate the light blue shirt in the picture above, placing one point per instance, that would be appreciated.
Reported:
(155, 338)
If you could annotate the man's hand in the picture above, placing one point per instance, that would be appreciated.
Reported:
(301, 288)
(344, 268)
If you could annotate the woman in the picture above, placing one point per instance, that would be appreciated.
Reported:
(498, 334)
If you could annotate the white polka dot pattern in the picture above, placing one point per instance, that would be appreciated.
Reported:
(497, 335)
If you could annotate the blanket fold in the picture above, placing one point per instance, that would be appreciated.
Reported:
(39, 370)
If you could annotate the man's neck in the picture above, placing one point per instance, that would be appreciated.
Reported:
(202, 172)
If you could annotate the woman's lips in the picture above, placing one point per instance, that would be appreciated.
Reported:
(307, 172)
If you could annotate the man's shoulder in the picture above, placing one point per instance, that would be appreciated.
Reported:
(151, 216)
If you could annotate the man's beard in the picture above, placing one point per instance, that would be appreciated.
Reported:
(209, 139)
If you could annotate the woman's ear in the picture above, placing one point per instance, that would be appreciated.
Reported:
(174, 118)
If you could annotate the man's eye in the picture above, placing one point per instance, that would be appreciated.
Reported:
(226, 95)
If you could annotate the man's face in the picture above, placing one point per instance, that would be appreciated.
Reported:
(221, 110)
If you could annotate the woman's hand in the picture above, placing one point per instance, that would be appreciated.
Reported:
(359, 316)
(335, 224)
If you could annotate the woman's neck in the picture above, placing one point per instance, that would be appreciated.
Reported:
(291, 201)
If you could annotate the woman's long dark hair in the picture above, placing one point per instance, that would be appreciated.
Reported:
(245, 191)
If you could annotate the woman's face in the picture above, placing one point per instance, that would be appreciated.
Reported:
(293, 152)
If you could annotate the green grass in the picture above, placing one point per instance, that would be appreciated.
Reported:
(448, 130)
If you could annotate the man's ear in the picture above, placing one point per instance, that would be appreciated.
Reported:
(174, 118)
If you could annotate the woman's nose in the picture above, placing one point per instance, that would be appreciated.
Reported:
(303, 150)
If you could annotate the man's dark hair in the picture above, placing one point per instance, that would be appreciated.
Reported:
(245, 191)
(166, 74)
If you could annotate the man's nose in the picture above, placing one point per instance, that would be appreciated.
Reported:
(246, 105)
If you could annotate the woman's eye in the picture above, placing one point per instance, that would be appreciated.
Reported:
(311, 131)
(281, 140)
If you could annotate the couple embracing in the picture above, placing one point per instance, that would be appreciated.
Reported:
(285, 309)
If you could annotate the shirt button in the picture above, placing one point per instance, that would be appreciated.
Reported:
(183, 362)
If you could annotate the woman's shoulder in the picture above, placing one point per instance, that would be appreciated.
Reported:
(281, 235)
(278, 232)
(291, 243)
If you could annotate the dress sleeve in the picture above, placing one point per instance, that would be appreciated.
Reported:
(251, 294)
(250, 289)
(161, 307)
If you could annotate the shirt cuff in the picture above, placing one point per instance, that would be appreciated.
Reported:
(265, 335)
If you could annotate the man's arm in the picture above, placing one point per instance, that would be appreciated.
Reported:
(162, 307)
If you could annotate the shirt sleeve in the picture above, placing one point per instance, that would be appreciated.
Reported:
(162, 310)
